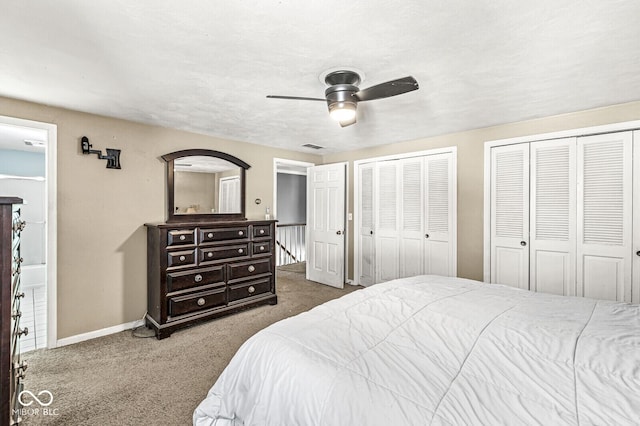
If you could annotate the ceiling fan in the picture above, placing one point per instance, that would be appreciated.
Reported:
(342, 95)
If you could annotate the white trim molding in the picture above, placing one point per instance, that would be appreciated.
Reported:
(99, 333)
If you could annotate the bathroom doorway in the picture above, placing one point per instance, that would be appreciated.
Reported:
(27, 152)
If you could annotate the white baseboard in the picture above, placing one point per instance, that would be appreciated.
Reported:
(98, 333)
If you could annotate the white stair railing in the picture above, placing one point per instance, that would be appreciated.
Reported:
(290, 243)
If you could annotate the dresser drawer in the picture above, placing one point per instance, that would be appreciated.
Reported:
(223, 234)
(248, 269)
(181, 280)
(181, 237)
(181, 305)
(262, 231)
(179, 258)
(261, 248)
(211, 254)
(249, 289)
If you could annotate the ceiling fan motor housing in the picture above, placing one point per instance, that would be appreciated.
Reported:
(341, 96)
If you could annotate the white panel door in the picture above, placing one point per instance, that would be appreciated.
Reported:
(604, 249)
(553, 216)
(387, 212)
(510, 215)
(366, 245)
(411, 237)
(439, 256)
(326, 223)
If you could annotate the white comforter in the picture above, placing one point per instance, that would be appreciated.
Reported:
(436, 350)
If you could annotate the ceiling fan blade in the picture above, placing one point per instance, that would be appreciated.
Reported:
(348, 122)
(390, 88)
(296, 98)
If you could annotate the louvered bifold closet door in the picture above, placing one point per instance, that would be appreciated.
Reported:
(412, 217)
(366, 234)
(439, 257)
(553, 217)
(387, 219)
(604, 216)
(510, 215)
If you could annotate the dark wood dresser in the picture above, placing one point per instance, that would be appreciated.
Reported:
(12, 368)
(199, 271)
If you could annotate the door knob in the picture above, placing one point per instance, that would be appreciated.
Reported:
(426, 235)
(638, 253)
(523, 243)
(339, 232)
(370, 232)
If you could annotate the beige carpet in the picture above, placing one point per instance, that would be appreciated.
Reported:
(124, 380)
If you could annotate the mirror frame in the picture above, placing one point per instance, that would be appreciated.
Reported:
(202, 217)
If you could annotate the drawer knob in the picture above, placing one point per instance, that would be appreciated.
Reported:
(252, 268)
(261, 248)
(240, 251)
(182, 237)
(251, 289)
(262, 231)
(240, 233)
(24, 331)
(201, 301)
(210, 235)
(19, 295)
(210, 254)
(182, 258)
(198, 278)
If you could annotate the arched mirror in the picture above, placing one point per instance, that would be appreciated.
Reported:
(205, 185)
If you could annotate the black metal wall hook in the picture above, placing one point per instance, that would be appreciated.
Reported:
(112, 157)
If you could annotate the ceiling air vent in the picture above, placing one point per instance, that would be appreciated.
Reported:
(312, 146)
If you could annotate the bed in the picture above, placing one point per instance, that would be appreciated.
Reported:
(437, 350)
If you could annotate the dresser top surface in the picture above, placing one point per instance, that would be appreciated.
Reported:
(217, 223)
(10, 200)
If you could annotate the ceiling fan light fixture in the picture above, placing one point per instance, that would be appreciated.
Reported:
(342, 111)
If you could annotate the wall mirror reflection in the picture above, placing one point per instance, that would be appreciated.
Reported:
(205, 185)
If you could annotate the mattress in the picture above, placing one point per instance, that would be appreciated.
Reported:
(437, 350)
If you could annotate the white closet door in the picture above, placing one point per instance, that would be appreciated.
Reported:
(553, 217)
(366, 245)
(412, 217)
(439, 224)
(387, 220)
(510, 215)
(604, 216)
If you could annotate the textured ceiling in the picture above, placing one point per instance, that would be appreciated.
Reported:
(206, 66)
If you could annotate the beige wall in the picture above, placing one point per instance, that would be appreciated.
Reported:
(470, 170)
(101, 212)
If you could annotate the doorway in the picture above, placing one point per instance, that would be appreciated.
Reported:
(289, 208)
(28, 171)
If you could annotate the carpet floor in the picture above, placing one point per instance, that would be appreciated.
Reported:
(125, 380)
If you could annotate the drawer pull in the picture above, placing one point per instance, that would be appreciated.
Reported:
(19, 225)
(18, 260)
(240, 251)
(198, 278)
(241, 233)
(210, 254)
(210, 235)
(16, 314)
(19, 295)
(182, 258)
(262, 231)
(251, 289)
(183, 237)
(201, 301)
(24, 331)
(252, 268)
(20, 375)
(261, 248)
